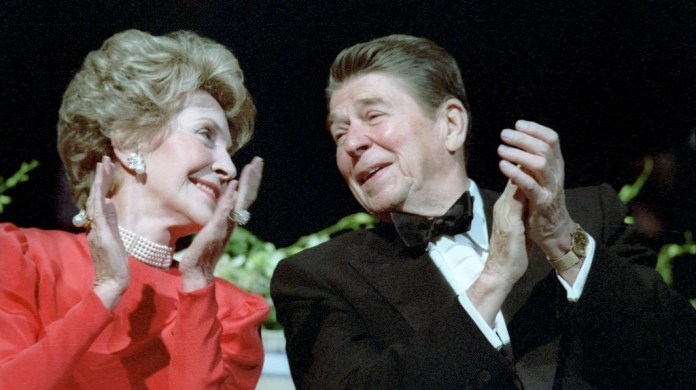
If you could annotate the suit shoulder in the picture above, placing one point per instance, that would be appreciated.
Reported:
(339, 245)
(601, 197)
(364, 243)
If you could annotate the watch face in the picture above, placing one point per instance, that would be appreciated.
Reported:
(580, 242)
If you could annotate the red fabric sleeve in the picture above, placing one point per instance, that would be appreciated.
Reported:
(211, 353)
(31, 355)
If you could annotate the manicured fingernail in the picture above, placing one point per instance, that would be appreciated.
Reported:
(522, 124)
(506, 134)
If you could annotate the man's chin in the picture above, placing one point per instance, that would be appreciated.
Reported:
(380, 210)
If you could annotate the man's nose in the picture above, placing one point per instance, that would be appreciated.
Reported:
(357, 140)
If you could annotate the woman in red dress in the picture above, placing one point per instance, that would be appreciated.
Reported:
(146, 130)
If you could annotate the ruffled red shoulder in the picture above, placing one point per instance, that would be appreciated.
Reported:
(235, 303)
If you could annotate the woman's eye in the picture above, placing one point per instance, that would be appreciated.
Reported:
(207, 133)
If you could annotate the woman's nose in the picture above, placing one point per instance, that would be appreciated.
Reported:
(224, 166)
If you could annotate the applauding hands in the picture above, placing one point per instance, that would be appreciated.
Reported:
(198, 264)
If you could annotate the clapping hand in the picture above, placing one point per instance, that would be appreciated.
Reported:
(201, 257)
(532, 160)
(508, 258)
(112, 272)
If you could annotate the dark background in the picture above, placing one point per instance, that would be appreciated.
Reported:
(615, 80)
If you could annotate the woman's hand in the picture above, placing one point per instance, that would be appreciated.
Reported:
(111, 269)
(201, 257)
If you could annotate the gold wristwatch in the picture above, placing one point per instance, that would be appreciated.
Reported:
(578, 250)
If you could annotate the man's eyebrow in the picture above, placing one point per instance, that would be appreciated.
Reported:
(360, 103)
(369, 101)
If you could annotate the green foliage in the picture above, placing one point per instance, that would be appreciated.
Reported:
(669, 251)
(248, 262)
(19, 177)
(630, 191)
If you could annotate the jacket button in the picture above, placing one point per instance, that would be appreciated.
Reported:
(485, 376)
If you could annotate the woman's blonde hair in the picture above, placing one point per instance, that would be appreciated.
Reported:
(128, 90)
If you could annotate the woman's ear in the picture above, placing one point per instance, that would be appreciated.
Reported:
(130, 160)
(120, 154)
(456, 122)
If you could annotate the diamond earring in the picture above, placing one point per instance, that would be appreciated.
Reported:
(136, 162)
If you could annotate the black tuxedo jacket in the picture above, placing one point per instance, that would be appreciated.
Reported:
(363, 311)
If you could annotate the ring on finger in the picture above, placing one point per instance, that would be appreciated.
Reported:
(240, 217)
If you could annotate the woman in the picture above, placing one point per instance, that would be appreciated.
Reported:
(145, 132)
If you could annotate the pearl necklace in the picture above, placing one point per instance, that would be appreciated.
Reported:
(146, 251)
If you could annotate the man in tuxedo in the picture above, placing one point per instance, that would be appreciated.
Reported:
(456, 282)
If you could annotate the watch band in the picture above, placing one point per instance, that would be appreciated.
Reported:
(578, 248)
(566, 261)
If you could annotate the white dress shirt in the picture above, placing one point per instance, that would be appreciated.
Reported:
(461, 258)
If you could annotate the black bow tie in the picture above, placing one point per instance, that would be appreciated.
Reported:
(417, 231)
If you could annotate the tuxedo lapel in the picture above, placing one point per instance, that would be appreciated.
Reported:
(406, 278)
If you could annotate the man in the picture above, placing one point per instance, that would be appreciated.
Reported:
(407, 305)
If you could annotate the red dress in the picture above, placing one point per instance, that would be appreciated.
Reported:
(56, 333)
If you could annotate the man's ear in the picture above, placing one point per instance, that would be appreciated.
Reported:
(456, 122)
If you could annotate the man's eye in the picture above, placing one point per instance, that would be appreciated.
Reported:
(338, 135)
(374, 116)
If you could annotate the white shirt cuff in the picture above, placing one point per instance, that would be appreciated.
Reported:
(574, 291)
(498, 335)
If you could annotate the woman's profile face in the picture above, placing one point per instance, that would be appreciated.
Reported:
(189, 170)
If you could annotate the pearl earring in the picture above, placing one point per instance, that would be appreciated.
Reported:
(136, 162)
(82, 220)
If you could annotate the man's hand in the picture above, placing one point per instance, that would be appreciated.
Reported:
(531, 158)
(508, 258)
